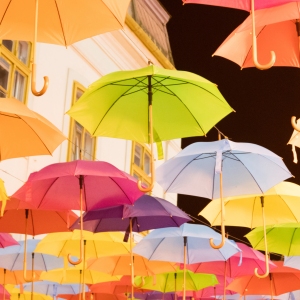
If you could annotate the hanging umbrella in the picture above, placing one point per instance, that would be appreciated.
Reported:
(278, 205)
(277, 28)
(222, 168)
(174, 281)
(281, 238)
(281, 280)
(150, 105)
(3, 197)
(28, 296)
(292, 261)
(147, 213)
(95, 296)
(29, 133)
(187, 244)
(7, 240)
(78, 185)
(254, 7)
(59, 22)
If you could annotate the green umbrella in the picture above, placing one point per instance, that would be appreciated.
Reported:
(173, 281)
(282, 238)
(121, 104)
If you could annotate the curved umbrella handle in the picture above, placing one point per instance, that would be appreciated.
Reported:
(211, 241)
(294, 124)
(33, 83)
(254, 45)
(266, 243)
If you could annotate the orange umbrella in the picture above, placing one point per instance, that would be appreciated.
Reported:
(24, 132)
(58, 22)
(93, 296)
(115, 287)
(280, 280)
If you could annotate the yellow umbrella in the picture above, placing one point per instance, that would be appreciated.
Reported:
(61, 22)
(3, 197)
(18, 295)
(76, 275)
(280, 204)
(24, 132)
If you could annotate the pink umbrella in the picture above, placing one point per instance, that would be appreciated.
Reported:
(251, 259)
(251, 7)
(78, 185)
(7, 240)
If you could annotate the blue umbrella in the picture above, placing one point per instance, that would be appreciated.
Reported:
(187, 244)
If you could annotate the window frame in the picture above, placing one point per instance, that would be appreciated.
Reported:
(78, 86)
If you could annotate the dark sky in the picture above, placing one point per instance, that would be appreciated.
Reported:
(264, 100)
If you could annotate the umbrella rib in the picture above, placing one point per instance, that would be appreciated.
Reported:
(121, 189)
(6, 9)
(43, 258)
(30, 213)
(253, 213)
(109, 109)
(289, 208)
(156, 248)
(60, 21)
(42, 198)
(291, 242)
(178, 173)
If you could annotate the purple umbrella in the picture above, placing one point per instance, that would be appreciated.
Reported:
(146, 213)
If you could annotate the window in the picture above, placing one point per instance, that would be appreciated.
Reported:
(14, 69)
(80, 139)
(140, 166)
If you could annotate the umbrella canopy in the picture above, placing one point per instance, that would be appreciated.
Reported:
(282, 238)
(121, 265)
(96, 245)
(117, 105)
(11, 258)
(4, 293)
(167, 244)
(57, 186)
(74, 275)
(7, 240)
(155, 295)
(146, 213)
(115, 287)
(94, 296)
(292, 261)
(281, 280)
(29, 133)
(16, 277)
(276, 29)
(16, 217)
(29, 296)
(231, 267)
(53, 289)
(174, 281)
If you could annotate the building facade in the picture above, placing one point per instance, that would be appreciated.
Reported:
(71, 70)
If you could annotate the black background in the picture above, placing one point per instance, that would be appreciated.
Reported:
(264, 100)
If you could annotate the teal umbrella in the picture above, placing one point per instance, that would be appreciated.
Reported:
(150, 105)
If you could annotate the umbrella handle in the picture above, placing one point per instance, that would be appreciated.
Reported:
(33, 83)
(254, 45)
(294, 124)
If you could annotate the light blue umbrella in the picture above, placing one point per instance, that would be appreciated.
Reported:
(292, 262)
(53, 289)
(188, 243)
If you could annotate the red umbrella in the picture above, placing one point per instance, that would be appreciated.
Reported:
(79, 185)
(280, 280)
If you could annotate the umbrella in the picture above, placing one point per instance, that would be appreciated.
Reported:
(281, 280)
(59, 22)
(28, 296)
(282, 238)
(251, 6)
(292, 261)
(222, 168)
(277, 29)
(80, 185)
(29, 133)
(174, 281)
(95, 296)
(3, 197)
(150, 105)
(53, 289)
(279, 204)
(7, 240)
(187, 244)
(146, 213)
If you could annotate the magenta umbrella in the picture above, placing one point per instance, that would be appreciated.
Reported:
(7, 240)
(230, 268)
(251, 6)
(78, 185)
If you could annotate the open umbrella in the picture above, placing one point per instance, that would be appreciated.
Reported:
(281, 280)
(29, 133)
(175, 281)
(221, 169)
(254, 7)
(17, 295)
(94, 296)
(279, 204)
(58, 22)
(150, 105)
(187, 244)
(78, 185)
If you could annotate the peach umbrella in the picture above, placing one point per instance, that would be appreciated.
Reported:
(24, 132)
(61, 22)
